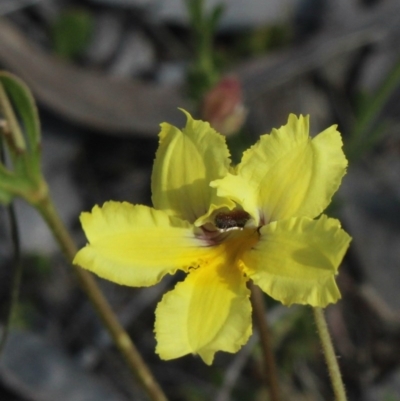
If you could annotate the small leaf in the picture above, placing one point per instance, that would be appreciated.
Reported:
(25, 108)
(10, 125)
(24, 104)
(71, 33)
(12, 184)
(5, 197)
(215, 17)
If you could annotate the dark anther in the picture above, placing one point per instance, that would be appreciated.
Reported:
(234, 218)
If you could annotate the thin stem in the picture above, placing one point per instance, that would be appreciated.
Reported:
(88, 284)
(260, 319)
(362, 134)
(330, 357)
(17, 275)
(17, 264)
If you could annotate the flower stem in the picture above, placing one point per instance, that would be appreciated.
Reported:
(330, 357)
(260, 319)
(17, 276)
(121, 339)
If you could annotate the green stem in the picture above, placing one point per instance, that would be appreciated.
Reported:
(260, 319)
(17, 265)
(361, 135)
(17, 275)
(330, 357)
(121, 338)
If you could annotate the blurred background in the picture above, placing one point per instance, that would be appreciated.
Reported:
(105, 74)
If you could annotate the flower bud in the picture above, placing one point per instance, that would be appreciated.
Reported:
(223, 106)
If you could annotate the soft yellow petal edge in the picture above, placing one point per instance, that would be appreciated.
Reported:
(136, 245)
(296, 260)
(208, 312)
(287, 174)
(186, 161)
(243, 185)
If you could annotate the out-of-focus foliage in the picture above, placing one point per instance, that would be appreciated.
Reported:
(204, 72)
(23, 178)
(71, 32)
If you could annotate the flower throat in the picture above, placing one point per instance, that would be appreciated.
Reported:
(232, 219)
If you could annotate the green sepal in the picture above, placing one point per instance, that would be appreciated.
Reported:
(5, 197)
(24, 105)
(12, 185)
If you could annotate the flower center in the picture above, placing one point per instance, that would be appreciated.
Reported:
(236, 243)
(232, 219)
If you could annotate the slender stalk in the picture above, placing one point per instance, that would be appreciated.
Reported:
(121, 338)
(17, 275)
(260, 319)
(362, 135)
(17, 264)
(330, 357)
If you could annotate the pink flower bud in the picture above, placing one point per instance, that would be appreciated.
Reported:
(223, 106)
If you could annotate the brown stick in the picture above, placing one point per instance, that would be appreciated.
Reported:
(88, 284)
(259, 311)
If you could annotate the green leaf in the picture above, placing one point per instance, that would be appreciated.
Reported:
(25, 107)
(215, 17)
(72, 32)
(195, 11)
(24, 104)
(6, 193)
(5, 197)
(12, 185)
(11, 130)
(364, 133)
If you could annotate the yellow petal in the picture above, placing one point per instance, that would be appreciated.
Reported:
(136, 245)
(286, 174)
(186, 162)
(242, 191)
(295, 260)
(208, 312)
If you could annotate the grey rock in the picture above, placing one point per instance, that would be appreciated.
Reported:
(237, 13)
(39, 371)
(136, 55)
(372, 215)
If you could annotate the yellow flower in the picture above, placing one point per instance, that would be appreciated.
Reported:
(224, 225)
